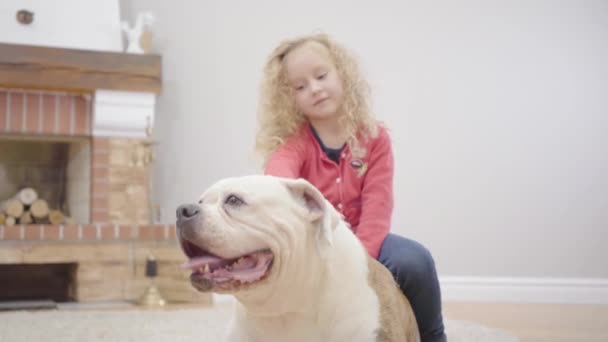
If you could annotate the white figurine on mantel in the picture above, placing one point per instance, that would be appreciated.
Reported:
(134, 34)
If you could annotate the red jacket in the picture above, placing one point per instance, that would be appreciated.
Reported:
(360, 189)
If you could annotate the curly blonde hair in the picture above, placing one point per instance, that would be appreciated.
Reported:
(278, 117)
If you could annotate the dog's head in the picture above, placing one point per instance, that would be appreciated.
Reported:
(249, 231)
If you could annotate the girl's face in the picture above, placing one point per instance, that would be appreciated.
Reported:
(315, 81)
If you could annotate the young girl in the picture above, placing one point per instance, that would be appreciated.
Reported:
(315, 123)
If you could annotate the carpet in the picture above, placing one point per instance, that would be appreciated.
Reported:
(174, 325)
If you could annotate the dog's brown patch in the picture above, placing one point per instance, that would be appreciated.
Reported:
(397, 320)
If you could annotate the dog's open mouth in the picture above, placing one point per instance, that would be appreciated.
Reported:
(213, 273)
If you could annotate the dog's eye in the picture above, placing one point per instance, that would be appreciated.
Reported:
(233, 200)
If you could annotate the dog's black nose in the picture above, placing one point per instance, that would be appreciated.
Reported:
(187, 211)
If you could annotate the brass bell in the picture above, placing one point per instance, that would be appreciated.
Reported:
(152, 296)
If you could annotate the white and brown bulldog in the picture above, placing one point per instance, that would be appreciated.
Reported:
(296, 269)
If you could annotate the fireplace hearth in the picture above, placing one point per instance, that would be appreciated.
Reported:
(78, 127)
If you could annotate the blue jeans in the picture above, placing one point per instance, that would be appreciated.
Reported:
(414, 270)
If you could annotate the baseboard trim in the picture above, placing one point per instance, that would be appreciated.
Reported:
(528, 290)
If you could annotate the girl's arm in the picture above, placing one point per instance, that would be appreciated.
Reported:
(377, 196)
(286, 161)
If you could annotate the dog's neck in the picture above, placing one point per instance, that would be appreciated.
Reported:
(297, 285)
(307, 276)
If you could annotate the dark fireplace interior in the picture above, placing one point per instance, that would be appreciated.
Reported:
(30, 282)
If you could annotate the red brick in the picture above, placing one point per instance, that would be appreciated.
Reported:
(147, 232)
(31, 232)
(100, 216)
(101, 144)
(80, 116)
(100, 158)
(126, 232)
(70, 232)
(16, 112)
(51, 232)
(160, 231)
(101, 172)
(48, 117)
(32, 118)
(12, 232)
(65, 115)
(89, 232)
(99, 192)
(172, 234)
(3, 96)
(107, 232)
(99, 204)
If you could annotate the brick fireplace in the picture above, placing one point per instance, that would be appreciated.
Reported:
(78, 126)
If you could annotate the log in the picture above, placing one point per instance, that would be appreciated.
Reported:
(13, 207)
(2, 218)
(56, 217)
(26, 218)
(10, 221)
(39, 209)
(27, 196)
(41, 220)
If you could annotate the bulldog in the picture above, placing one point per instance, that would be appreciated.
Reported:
(296, 269)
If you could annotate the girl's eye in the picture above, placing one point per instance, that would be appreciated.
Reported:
(322, 76)
(233, 200)
(298, 88)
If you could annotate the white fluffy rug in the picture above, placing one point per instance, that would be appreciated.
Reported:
(174, 325)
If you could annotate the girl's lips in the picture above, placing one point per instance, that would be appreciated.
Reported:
(320, 101)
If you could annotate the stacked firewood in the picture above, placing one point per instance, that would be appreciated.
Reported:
(26, 208)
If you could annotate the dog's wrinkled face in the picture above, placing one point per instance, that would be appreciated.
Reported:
(244, 231)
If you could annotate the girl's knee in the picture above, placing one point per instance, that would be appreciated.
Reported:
(413, 260)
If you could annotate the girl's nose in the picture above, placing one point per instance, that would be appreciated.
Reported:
(315, 86)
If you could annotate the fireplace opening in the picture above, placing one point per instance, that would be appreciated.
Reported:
(58, 171)
(30, 282)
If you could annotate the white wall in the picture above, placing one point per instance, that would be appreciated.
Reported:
(498, 110)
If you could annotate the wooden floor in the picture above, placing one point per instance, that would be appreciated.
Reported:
(537, 322)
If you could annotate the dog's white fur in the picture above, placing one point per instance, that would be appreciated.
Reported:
(317, 289)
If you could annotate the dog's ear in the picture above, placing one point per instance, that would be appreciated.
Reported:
(319, 211)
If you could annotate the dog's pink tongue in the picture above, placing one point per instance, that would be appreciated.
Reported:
(252, 268)
(244, 275)
(247, 269)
